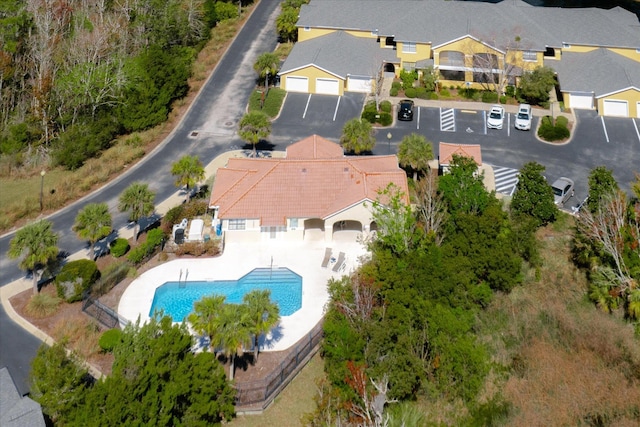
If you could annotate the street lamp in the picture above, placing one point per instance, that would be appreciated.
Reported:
(389, 136)
(42, 173)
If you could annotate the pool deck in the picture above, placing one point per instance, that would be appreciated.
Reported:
(303, 258)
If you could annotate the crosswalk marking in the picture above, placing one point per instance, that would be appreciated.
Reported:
(506, 180)
(447, 120)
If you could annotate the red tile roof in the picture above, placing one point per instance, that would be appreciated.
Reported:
(447, 150)
(314, 180)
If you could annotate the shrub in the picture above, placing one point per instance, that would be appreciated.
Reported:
(369, 113)
(385, 119)
(225, 10)
(110, 277)
(393, 91)
(410, 92)
(562, 121)
(468, 92)
(420, 91)
(146, 249)
(553, 132)
(119, 247)
(210, 248)
(43, 305)
(489, 97)
(110, 339)
(425, 95)
(510, 91)
(75, 278)
(194, 209)
(408, 77)
(137, 255)
(432, 95)
(503, 99)
(385, 106)
(396, 85)
(445, 93)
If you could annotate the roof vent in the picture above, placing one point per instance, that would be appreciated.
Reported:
(346, 169)
(304, 170)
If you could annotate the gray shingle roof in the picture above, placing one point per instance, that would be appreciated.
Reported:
(439, 21)
(356, 55)
(601, 71)
(16, 410)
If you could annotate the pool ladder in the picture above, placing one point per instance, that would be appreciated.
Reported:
(182, 284)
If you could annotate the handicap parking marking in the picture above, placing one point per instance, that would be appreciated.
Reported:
(506, 180)
(447, 120)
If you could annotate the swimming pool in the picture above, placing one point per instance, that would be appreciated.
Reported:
(176, 298)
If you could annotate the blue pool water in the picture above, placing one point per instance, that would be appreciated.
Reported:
(176, 299)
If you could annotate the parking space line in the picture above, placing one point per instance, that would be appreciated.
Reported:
(306, 107)
(635, 125)
(484, 119)
(508, 124)
(418, 123)
(335, 113)
(604, 127)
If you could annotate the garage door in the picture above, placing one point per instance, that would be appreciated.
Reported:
(613, 107)
(359, 84)
(582, 100)
(327, 86)
(297, 84)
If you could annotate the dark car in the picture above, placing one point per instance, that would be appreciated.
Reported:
(405, 111)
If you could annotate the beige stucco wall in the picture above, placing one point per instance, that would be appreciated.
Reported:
(632, 54)
(632, 96)
(312, 73)
(579, 49)
(423, 51)
(312, 33)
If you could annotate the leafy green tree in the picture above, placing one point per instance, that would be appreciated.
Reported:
(253, 127)
(357, 136)
(415, 152)
(137, 199)
(157, 380)
(93, 222)
(462, 188)
(535, 85)
(205, 318)
(286, 24)
(188, 171)
(233, 334)
(601, 183)
(267, 63)
(57, 382)
(262, 314)
(37, 244)
(533, 196)
(396, 223)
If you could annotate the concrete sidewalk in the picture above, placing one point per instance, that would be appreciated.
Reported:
(177, 198)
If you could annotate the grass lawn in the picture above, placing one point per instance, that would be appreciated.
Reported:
(272, 103)
(294, 401)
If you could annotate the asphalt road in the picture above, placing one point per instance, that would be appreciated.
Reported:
(214, 116)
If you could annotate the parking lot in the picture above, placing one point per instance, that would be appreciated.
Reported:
(612, 142)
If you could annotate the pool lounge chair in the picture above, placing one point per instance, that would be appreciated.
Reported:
(339, 262)
(327, 257)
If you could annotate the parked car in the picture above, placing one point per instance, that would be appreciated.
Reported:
(524, 117)
(405, 111)
(562, 190)
(496, 117)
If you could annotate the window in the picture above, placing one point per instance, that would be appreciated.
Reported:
(293, 223)
(550, 52)
(566, 45)
(237, 224)
(408, 47)
(389, 42)
(409, 66)
(457, 76)
(307, 28)
(529, 55)
(451, 58)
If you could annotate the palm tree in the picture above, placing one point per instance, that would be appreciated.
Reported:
(357, 136)
(262, 313)
(253, 127)
(233, 335)
(93, 223)
(188, 171)
(137, 199)
(205, 318)
(266, 65)
(37, 244)
(415, 151)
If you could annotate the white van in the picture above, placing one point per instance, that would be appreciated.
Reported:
(524, 117)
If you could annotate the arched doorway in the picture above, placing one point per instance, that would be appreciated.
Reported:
(347, 230)
(389, 68)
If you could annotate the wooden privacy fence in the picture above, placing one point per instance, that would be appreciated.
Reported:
(257, 395)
